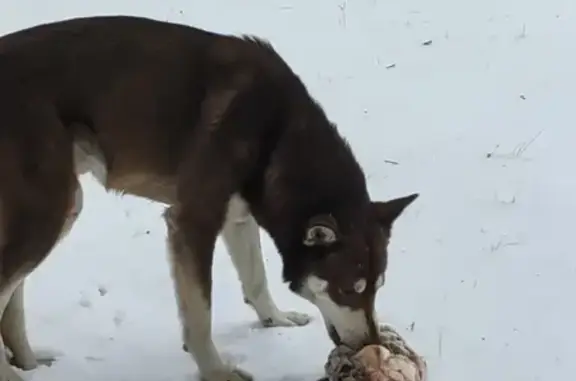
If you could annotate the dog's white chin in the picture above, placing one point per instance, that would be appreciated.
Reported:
(351, 325)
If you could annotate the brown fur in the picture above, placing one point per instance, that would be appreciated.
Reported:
(189, 118)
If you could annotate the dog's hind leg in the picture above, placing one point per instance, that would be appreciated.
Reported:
(36, 190)
(242, 239)
(13, 330)
(12, 326)
(7, 373)
(27, 244)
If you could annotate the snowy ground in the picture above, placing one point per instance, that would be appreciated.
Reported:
(469, 103)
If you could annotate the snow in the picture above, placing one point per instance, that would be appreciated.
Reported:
(469, 103)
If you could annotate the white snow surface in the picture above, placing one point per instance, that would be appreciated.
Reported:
(470, 103)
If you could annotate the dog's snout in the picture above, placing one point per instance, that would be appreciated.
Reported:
(352, 328)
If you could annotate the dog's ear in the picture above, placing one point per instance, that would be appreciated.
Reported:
(321, 230)
(388, 211)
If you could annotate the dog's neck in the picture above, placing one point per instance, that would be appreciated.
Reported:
(311, 171)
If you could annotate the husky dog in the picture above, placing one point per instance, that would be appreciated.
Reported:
(217, 127)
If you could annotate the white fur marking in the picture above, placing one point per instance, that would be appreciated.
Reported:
(78, 201)
(90, 159)
(14, 330)
(7, 373)
(194, 311)
(316, 285)
(379, 281)
(360, 285)
(196, 315)
(351, 325)
(242, 238)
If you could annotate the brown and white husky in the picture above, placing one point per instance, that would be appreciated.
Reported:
(217, 127)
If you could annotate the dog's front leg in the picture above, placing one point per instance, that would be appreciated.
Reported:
(222, 153)
(191, 254)
(242, 238)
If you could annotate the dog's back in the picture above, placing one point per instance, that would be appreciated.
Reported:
(134, 82)
(138, 85)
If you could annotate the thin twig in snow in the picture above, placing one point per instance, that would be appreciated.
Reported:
(440, 341)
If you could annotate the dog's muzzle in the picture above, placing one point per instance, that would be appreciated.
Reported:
(354, 328)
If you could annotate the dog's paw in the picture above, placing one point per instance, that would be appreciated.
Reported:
(47, 356)
(286, 319)
(7, 373)
(228, 374)
(28, 361)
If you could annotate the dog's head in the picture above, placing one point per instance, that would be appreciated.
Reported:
(344, 267)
